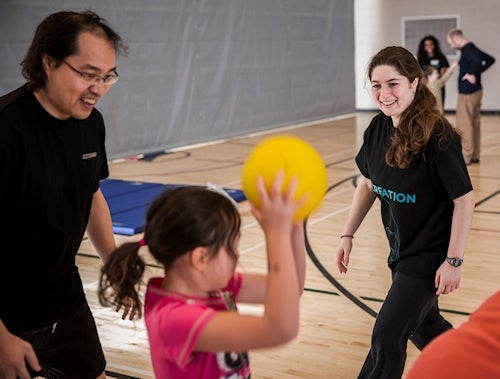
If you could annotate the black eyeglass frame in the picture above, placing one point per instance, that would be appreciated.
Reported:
(107, 80)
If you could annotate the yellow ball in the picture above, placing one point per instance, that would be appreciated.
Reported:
(297, 159)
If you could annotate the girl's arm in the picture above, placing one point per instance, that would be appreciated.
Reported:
(228, 331)
(299, 254)
(446, 75)
(253, 287)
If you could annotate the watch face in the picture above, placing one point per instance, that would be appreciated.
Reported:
(455, 262)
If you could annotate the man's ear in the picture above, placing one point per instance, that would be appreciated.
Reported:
(199, 258)
(47, 62)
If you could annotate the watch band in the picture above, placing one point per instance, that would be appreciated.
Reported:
(454, 261)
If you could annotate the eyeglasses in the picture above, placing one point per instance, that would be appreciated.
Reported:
(93, 78)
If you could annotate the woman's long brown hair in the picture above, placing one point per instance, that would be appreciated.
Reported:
(421, 119)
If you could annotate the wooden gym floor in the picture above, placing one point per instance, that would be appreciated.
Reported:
(335, 325)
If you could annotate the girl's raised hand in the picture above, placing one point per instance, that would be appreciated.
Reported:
(277, 206)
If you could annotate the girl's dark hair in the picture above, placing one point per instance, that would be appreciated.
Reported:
(421, 119)
(428, 70)
(177, 222)
(422, 54)
(57, 36)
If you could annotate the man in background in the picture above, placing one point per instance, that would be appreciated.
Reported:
(473, 62)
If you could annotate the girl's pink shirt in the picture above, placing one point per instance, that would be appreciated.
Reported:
(174, 322)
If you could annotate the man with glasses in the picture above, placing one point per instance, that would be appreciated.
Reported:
(52, 157)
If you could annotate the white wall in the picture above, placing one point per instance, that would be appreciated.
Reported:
(378, 23)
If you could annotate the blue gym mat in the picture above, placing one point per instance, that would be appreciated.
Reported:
(129, 201)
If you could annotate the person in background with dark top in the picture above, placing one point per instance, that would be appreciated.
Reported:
(470, 351)
(430, 54)
(52, 158)
(473, 62)
(411, 161)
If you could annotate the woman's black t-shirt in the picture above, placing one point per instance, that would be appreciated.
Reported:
(416, 202)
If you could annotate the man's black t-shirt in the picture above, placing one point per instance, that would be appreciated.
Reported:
(416, 202)
(49, 171)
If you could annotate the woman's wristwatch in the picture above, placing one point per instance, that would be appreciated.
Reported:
(455, 262)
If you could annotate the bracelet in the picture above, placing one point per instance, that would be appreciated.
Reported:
(346, 235)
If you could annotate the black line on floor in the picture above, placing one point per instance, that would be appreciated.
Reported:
(325, 272)
(375, 300)
(88, 255)
(321, 291)
(487, 198)
(349, 159)
(367, 298)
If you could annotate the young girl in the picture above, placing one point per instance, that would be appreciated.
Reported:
(411, 160)
(436, 82)
(193, 326)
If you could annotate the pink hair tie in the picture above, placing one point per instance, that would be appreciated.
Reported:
(142, 242)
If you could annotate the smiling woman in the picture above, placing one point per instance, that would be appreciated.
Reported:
(392, 91)
(411, 161)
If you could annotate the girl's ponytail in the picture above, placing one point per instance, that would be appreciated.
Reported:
(121, 277)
